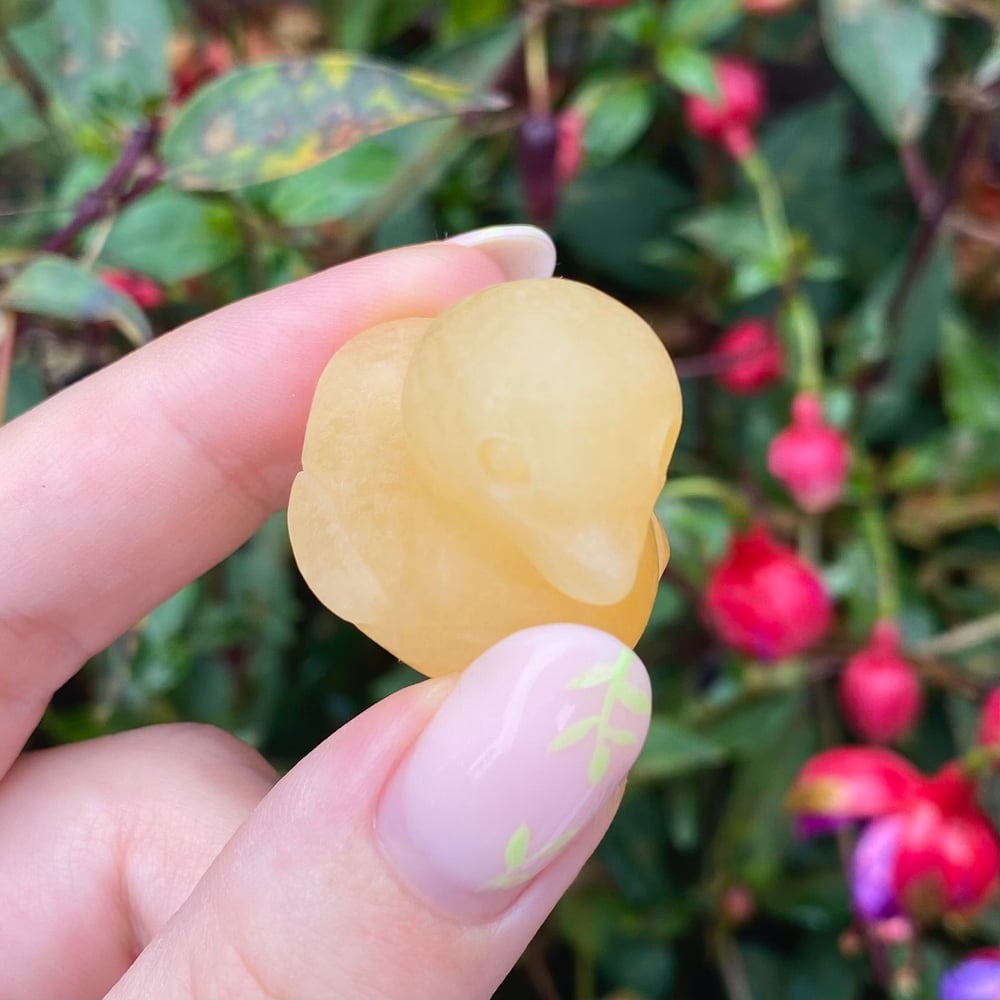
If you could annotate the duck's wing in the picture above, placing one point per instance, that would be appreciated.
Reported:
(347, 502)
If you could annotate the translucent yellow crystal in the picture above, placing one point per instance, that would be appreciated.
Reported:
(489, 469)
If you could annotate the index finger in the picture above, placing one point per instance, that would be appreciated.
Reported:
(129, 484)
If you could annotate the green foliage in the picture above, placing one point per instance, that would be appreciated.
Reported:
(280, 158)
(54, 286)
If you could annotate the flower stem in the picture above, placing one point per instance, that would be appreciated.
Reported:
(884, 557)
(708, 488)
(799, 315)
(536, 59)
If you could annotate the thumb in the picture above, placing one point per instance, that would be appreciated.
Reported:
(416, 852)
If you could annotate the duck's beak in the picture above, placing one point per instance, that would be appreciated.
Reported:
(594, 562)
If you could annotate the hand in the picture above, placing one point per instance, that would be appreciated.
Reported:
(416, 851)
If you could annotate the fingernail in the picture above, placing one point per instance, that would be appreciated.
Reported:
(520, 251)
(535, 736)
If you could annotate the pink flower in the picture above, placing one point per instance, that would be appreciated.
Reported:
(730, 120)
(809, 457)
(928, 851)
(751, 356)
(764, 600)
(879, 691)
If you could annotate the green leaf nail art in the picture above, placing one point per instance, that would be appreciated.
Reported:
(619, 692)
(519, 867)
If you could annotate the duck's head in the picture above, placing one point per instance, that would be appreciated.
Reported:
(549, 411)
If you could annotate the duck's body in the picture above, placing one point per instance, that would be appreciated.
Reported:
(423, 575)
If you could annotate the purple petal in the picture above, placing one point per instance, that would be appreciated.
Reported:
(815, 826)
(871, 869)
(973, 979)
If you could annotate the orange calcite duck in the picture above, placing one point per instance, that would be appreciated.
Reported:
(487, 470)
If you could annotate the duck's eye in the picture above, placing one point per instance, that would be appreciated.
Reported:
(503, 461)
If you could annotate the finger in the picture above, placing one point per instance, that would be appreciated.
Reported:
(103, 841)
(129, 484)
(416, 852)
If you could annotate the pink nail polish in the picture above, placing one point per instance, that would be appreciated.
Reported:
(535, 736)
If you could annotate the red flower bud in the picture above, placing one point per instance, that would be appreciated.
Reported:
(145, 292)
(764, 600)
(880, 694)
(730, 120)
(989, 721)
(750, 356)
(570, 126)
(809, 457)
(769, 6)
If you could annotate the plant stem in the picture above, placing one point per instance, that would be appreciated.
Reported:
(884, 558)
(799, 313)
(116, 190)
(707, 488)
(934, 201)
(732, 968)
(772, 208)
(962, 637)
(22, 71)
(536, 59)
(802, 322)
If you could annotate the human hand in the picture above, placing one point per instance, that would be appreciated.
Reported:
(417, 850)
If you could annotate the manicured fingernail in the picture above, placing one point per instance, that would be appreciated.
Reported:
(537, 733)
(520, 251)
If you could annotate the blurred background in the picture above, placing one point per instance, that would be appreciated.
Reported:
(839, 209)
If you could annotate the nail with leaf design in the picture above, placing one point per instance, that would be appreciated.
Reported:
(535, 737)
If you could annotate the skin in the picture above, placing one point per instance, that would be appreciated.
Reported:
(143, 864)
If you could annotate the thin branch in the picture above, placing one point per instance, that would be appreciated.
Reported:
(934, 201)
(960, 638)
(115, 191)
(22, 71)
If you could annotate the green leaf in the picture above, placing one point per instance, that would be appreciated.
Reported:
(276, 119)
(573, 734)
(171, 236)
(54, 286)
(621, 737)
(113, 49)
(598, 674)
(635, 700)
(733, 233)
(36, 44)
(741, 727)
(600, 760)
(517, 847)
(672, 750)
(331, 190)
(690, 70)
(608, 214)
(15, 11)
(24, 390)
(617, 111)
(699, 20)
(970, 376)
(886, 50)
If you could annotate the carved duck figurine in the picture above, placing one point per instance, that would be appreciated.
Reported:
(490, 469)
